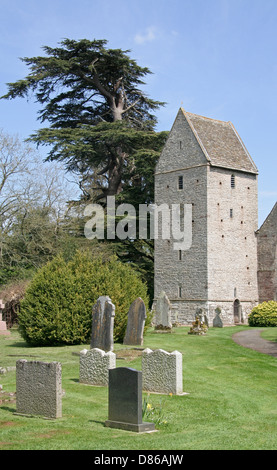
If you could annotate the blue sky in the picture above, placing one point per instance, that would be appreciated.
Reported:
(217, 58)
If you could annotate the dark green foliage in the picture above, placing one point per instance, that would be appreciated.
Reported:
(57, 307)
(31, 242)
(264, 314)
(97, 114)
(84, 81)
(34, 239)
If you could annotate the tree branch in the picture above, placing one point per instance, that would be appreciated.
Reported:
(131, 106)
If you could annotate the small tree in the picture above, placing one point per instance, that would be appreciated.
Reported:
(57, 307)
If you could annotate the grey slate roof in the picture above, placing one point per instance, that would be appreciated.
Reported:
(220, 143)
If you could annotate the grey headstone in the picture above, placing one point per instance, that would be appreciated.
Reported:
(136, 322)
(125, 400)
(103, 313)
(217, 322)
(163, 311)
(162, 372)
(95, 365)
(39, 388)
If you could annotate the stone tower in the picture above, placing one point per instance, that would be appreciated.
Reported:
(205, 164)
(267, 258)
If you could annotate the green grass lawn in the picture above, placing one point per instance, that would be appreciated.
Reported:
(231, 401)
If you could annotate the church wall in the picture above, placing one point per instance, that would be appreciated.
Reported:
(221, 265)
(181, 149)
(232, 242)
(183, 276)
(186, 270)
(267, 258)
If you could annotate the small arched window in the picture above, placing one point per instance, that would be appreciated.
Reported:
(233, 181)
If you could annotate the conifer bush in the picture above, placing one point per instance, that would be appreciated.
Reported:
(57, 307)
(264, 314)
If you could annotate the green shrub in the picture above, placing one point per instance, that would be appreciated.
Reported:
(264, 314)
(57, 307)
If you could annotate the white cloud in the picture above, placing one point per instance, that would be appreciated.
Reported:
(148, 36)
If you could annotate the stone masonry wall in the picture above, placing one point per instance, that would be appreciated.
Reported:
(232, 241)
(188, 270)
(267, 258)
(221, 265)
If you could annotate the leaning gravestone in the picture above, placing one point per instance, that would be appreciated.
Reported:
(125, 400)
(39, 388)
(136, 322)
(162, 372)
(103, 313)
(163, 312)
(94, 366)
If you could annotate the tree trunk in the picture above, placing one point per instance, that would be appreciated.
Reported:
(116, 165)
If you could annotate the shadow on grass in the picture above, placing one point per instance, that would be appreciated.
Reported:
(20, 344)
(97, 422)
(7, 408)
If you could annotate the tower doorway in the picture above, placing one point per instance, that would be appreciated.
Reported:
(237, 312)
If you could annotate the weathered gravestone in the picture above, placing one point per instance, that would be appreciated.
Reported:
(162, 372)
(199, 326)
(95, 365)
(136, 322)
(217, 322)
(3, 325)
(103, 313)
(125, 400)
(163, 312)
(39, 388)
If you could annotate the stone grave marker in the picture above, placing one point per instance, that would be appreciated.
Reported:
(103, 313)
(202, 316)
(162, 372)
(163, 312)
(3, 325)
(39, 388)
(217, 322)
(125, 400)
(199, 327)
(136, 322)
(94, 366)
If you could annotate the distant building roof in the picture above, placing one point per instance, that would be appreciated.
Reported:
(220, 143)
(270, 221)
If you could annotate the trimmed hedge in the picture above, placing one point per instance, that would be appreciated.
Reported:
(264, 314)
(57, 306)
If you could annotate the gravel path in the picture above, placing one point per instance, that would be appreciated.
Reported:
(252, 339)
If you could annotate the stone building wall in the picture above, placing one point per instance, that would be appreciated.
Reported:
(232, 241)
(182, 156)
(267, 258)
(221, 265)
